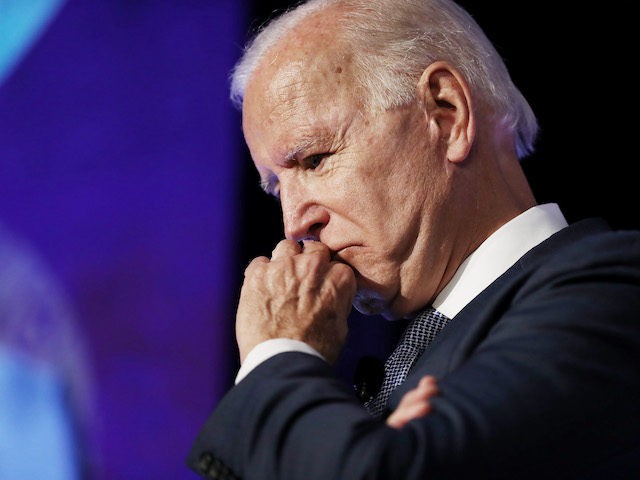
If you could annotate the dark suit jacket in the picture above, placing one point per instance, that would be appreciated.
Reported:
(539, 378)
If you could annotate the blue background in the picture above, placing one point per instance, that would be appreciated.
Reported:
(119, 164)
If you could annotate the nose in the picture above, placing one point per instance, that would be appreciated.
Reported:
(303, 217)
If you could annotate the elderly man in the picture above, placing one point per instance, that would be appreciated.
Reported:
(391, 133)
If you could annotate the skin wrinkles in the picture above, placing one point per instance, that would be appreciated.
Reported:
(321, 141)
(393, 198)
(327, 150)
(361, 137)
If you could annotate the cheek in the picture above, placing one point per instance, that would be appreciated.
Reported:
(347, 187)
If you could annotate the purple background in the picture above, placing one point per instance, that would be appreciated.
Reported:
(120, 164)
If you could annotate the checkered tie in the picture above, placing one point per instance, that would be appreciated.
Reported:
(419, 333)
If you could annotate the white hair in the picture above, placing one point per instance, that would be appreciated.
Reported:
(393, 41)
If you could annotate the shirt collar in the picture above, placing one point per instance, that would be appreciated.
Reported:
(497, 254)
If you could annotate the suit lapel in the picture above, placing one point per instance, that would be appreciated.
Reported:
(472, 324)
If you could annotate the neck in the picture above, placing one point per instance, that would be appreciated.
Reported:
(491, 190)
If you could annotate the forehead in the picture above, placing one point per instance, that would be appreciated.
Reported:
(304, 65)
(311, 52)
(304, 84)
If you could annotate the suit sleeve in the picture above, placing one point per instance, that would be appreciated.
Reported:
(551, 391)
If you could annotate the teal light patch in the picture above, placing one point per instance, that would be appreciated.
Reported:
(21, 23)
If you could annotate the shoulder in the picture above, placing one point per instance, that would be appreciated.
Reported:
(583, 280)
(621, 246)
(586, 249)
(585, 287)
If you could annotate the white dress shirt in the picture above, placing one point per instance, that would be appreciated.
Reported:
(491, 259)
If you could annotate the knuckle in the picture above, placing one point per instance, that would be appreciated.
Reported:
(285, 247)
(343, 274)
(314, 246)
(251, 265)
(255, 264)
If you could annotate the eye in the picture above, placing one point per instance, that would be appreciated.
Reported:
(314, 161)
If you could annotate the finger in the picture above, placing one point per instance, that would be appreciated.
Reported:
(426, 389)
(344, 277)
(312, 246)
(428, 386)
(420, 394)
(285, 248)
(254, 263)
(403, 415)
(415, 403)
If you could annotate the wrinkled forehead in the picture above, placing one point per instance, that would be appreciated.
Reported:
(310, 57)
(297, 83)
(282, 84)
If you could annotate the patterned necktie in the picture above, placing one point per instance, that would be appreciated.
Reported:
(419, 333)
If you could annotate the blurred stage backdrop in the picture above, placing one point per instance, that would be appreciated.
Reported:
(119, 166)
(128, 210)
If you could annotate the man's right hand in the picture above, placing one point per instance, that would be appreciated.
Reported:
(301, 294)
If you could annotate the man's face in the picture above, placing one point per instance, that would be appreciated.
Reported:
(368, 185)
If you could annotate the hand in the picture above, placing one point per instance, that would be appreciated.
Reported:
(298, 294)
(414, 403)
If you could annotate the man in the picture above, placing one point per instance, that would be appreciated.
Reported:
(391, 132)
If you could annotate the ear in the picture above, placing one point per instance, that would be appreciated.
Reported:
(447, 102)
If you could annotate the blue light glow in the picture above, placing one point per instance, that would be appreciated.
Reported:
(21, 23)
(36, 439)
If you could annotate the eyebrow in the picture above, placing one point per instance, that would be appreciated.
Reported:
(292, 154)
(269, 184)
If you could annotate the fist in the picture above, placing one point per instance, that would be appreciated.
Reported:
(301, 294)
